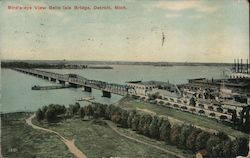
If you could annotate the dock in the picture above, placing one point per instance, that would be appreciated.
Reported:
(49, 87)
(87, 99)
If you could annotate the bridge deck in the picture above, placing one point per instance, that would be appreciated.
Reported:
(78, 80)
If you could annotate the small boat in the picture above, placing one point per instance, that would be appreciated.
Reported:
(86, 99)
(35, 87)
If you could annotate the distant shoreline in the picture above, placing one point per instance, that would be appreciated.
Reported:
(94, 64)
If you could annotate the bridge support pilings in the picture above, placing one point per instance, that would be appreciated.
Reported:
(106, 94)
(74, 85)
(53, 79)
(60, 81)
(87, 89)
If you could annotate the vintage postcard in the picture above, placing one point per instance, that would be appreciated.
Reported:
(125, 79)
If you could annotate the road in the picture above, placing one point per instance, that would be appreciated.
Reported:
(69, 143)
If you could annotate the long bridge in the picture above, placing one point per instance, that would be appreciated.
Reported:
(75, 80)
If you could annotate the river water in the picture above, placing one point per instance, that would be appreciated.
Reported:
(16, 93)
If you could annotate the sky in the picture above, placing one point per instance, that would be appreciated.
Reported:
(194, 31)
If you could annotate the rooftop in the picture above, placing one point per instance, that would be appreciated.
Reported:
(234, 103)
(166, 93)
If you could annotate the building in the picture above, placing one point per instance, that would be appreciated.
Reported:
(146, 88)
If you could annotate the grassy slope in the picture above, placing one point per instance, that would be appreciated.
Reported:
(97, 140)
(183, 116)
(21, 141)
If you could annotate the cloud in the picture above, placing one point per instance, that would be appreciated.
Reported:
(197, 6)
(173, 15)
(195, 16)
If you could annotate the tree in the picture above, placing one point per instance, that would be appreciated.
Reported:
(185, 130)
(147, 122)
(235, 148)
(191, 139)
(141, 124)
(39, 115)
(135, 122)
(60, 109)
(234, 117)
(124, 118)
(70, 110)
(164, 131)
(218, 150)
(82, 112)
(192, 101)
(44, 109)
(130, 118)
(76, 108)
(50, 114)
(99, 110)
(227, 149)
(108, 112)
(175, 133)
(154, 128)
(222, 136)
(243, 146)
(69, 113)
(201, 140)
(116, 116)
(211, 144)
(89, 111)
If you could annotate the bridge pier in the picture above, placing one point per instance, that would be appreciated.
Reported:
(53, 79)
(106, 94)
(87, 89)
(46, 78)
(40, 76)
(61, 82)
(74, 85)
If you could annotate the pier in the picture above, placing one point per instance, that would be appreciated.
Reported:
(74, 80)
(49, 87)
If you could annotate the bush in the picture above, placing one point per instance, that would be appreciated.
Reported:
(192, 110)
(184, 107)
(201, 111)
(223, 117)
(212, 114)
(219, 109)
(175, 105)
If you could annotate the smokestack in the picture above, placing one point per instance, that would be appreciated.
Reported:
(247, 66)
(241, 65)
(234, 65)
(238, 65)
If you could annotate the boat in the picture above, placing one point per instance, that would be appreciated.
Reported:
(86, 98)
